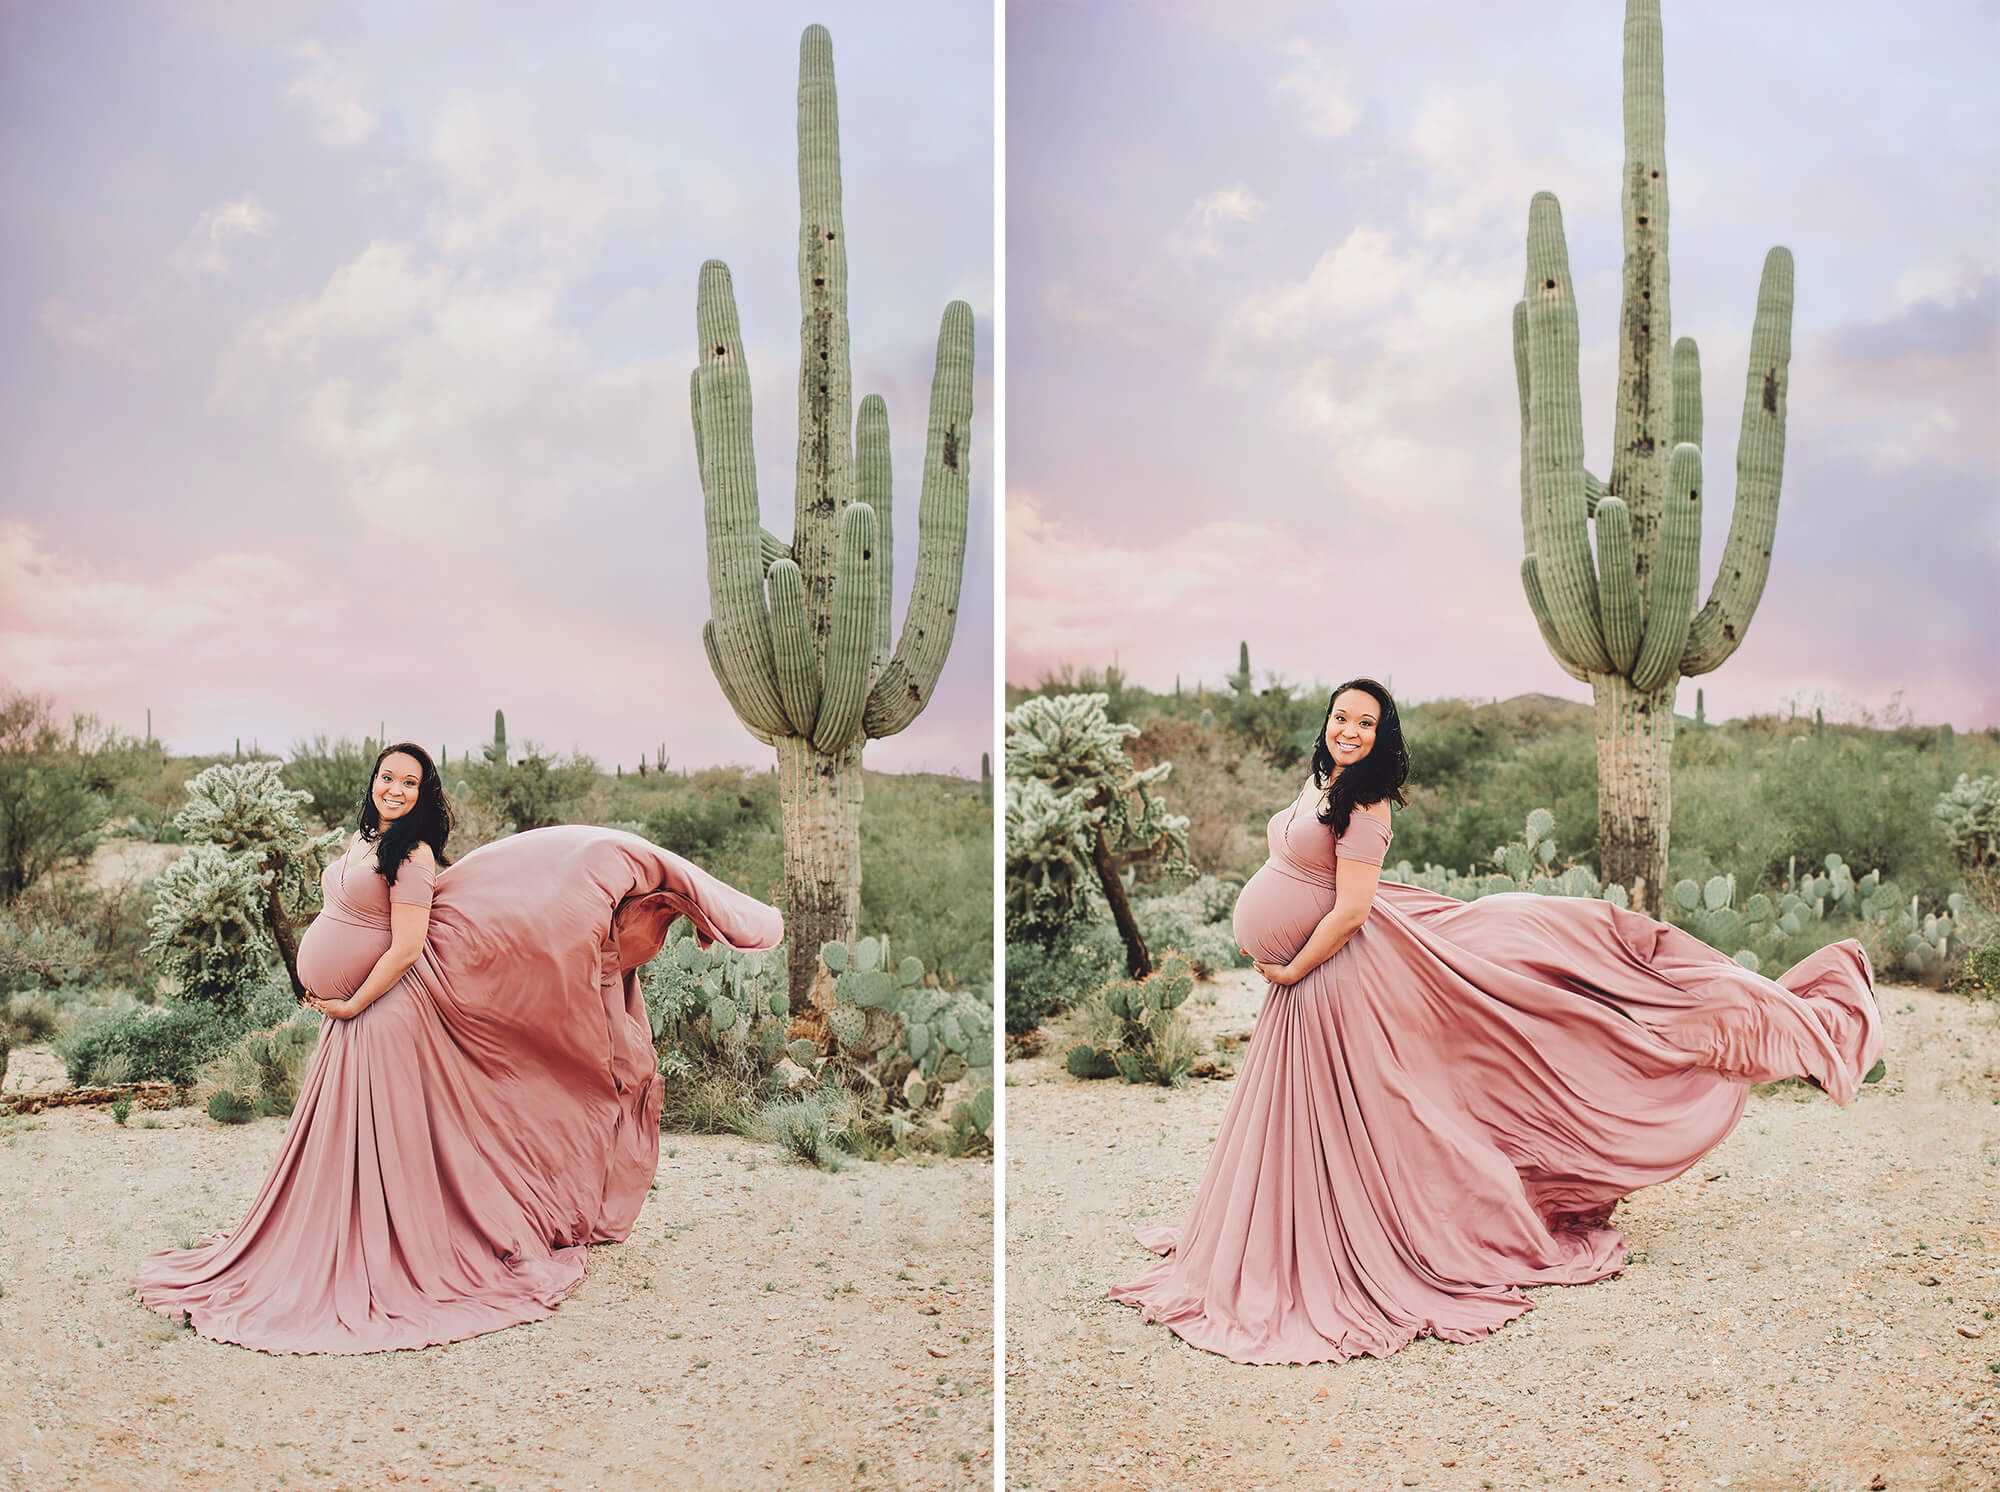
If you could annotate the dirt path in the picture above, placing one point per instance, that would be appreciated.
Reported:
(1795, 1313)
(765, 1325)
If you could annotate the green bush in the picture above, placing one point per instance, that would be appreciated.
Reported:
(136, 1044)
(334, 776)
(49, 812)
(535, 792)
(1044, 982)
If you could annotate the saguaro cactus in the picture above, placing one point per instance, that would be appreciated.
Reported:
(799, 635)
(1627, 623)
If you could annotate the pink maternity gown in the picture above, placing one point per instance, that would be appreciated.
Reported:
(457, 1143)
(1450, 1106)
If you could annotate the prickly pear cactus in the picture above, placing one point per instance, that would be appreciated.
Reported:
(1146, 1042)
(800, 635)
(711, 1001)
(906, 1041)
(1524, 864)
(225, 1107)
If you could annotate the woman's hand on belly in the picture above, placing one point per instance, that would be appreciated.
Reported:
(1280, 974)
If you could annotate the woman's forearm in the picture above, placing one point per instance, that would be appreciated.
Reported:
(389, 968)
(1334, 929)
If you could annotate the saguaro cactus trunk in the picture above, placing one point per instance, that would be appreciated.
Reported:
(800, 635)
(1624, 616)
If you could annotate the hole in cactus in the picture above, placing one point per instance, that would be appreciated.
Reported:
(1642, 222)
(1548, 284)
(720, 349)
(1693, 496)
(1656, 176)
(829, 238)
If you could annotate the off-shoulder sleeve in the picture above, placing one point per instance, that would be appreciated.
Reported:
(1367, 838)
(414, 883)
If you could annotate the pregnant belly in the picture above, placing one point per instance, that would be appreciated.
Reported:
(335, 956)
(1275, 914)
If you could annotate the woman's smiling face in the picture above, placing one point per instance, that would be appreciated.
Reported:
(395, 787)
(1350, 728)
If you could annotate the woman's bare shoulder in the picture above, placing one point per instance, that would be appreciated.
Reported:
(1379, 809)
(422, 854)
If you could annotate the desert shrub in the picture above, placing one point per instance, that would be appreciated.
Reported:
(333, 774)
(811, 1128)
(27, 1017)
(39, 953)
(538, 790)
(707, 826)
(49, 812)
(1042, 982)
(1195, 921)
(927, 849)
(168, 1043)
(1226, 792)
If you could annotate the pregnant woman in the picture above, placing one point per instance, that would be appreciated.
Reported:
(1443, 1101)
(483, 1101)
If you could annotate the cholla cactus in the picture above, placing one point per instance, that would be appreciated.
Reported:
(1969, 814)
(1625, 619)
(246, 811)
(1104, 811)
(800, 636)
(208, 925)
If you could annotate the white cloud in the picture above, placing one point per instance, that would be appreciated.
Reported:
(509, 178)
(67, 626)
(1363, 273)
(67, 326)
(1069, 589)
(207, 248)
(1200, 235)
(1316, 91)
(332, 95)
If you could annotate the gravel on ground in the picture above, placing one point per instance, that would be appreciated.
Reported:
(1815, 1304)
(765, 1325)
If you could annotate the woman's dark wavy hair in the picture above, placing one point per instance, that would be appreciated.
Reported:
(430, 820)
(1378, 775)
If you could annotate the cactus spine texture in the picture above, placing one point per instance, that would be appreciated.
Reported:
(799, 635)
(1621, 613)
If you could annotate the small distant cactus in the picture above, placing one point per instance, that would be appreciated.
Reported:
(496, 749)
(1146, 1040)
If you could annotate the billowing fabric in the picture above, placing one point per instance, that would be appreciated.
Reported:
(1450, 1106)
(457, 1143)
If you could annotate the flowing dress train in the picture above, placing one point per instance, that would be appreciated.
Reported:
(457, 1143)
(1450, 1106)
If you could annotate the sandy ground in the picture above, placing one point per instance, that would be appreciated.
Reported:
(766, 1325)
(1816, 1304)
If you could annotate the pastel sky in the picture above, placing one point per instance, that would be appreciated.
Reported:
(1261, 259)
(347, 352)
